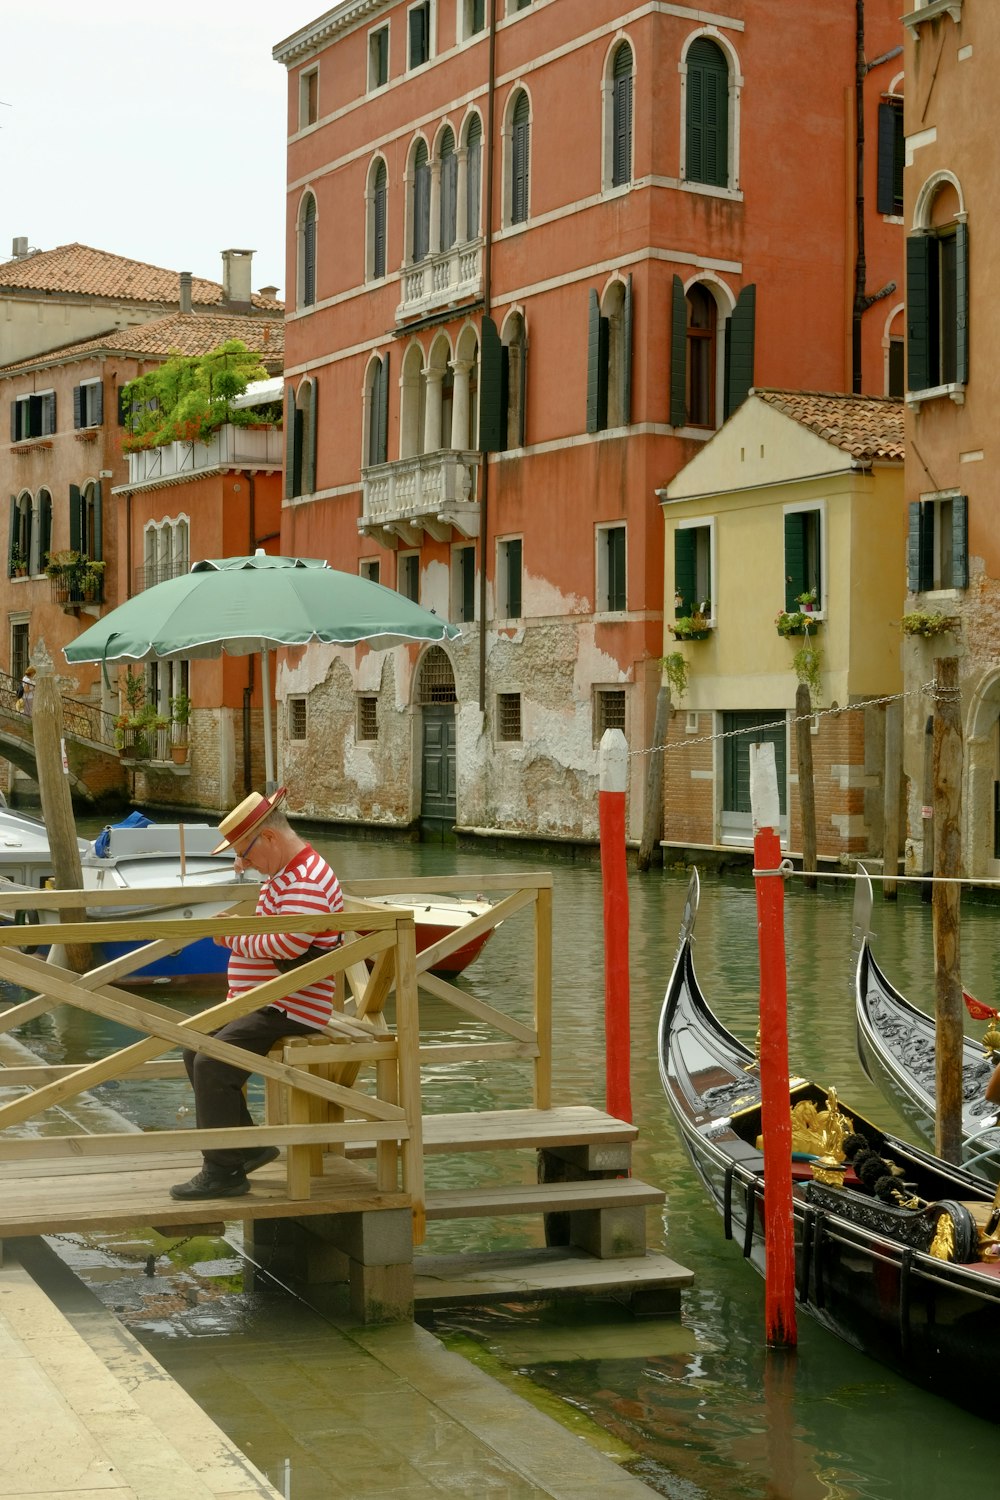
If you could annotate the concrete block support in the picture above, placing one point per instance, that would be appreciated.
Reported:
(380, 1238)
(382, 1294)
(609, 1232)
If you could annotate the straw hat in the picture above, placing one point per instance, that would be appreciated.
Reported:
(244, 819)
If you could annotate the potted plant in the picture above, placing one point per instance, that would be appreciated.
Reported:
(675, 669)
(180, 711)
(928, 623)
(65, 569)
(692, 627)
(18, 564)
(91, 576)
(806, 601)
(807, 663)
(794, 622)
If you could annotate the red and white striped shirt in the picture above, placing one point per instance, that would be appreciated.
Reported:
(306, 885)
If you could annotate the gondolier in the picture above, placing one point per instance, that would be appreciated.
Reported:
(297, 880)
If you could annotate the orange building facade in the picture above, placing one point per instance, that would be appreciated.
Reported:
(532, 267)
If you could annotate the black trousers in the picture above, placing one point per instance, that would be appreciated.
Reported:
(218, 1087)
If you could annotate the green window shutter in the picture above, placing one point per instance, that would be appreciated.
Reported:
(621, 170)
(11, 534)
(378, 228)
(678, 354)
(78, 406)
(97, 410)
(593, 360)
(14, 433)
(309, 439)
(795, 559)
(291, 489)
(421, 202)
(309, 253)
(962, 303)
(98, 532)
(707, 114)
(960, 542)
(886, 181)
(124, 407)
(383, 411)
(685, 579)
(75, 518)
(520, 160)
(492, 413)
(522, 395)
(44, 528)
(740, 349)
(918, 279)
(917, 548)
(627, 352)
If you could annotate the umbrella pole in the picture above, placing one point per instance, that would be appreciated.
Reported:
(265, 687)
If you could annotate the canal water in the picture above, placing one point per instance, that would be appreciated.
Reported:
(705, 1411)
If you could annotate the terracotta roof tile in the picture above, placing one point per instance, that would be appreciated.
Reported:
(866, 427)
(177, 333)
(83, 271)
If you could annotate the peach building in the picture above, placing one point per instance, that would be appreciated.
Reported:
(533, 265)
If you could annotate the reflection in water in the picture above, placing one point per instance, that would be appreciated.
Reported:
(711, 1415)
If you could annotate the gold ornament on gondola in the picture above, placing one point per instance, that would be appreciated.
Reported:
(820, 1132)
(991, 1038)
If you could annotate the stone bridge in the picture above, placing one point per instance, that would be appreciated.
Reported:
(95, 768)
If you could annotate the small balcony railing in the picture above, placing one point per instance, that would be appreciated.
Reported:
(151, 574)
(452, 275)
(227, 446)
(71, 590)
(431, 493)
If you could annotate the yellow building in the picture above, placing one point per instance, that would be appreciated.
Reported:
(798, 495)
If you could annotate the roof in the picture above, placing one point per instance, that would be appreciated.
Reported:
(177, 333)
(866, 427)
(83, 271)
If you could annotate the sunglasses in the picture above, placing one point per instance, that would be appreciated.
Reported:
(242, 853)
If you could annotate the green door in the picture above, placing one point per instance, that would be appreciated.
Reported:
(744, 729)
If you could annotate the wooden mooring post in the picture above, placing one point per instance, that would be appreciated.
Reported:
(807, 788)
(945, 909)
(652, 813)
(893, 790)
(613, 762)
(57, 802)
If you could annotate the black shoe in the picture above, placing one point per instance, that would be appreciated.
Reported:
(260, 1157)
(213, 1182)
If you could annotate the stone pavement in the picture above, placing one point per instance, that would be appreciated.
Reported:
(327, 1412)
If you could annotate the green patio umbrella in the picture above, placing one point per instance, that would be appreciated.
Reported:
(241, 605)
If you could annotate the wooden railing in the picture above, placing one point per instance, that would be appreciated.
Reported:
(324, 1109)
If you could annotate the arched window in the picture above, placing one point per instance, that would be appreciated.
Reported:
(411, 426)
(307, 252)
(448, 162)
(702, 321)
(377, 214)
(515, 353)
(440, 385)
(377, 412)
(19, 547)
(41, 540)
(707, 114)
(421, 202)
(609, 357)
(711, 352)
(937, 289)
(436, 678)
(300, 439)
(473, 176)
(621, 116)
(520, 158)
(465, 392)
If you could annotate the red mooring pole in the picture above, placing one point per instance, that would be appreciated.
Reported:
(776, 1122)
(613, 775)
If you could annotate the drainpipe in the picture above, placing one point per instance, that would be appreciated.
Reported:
(862, 299)
(484, 465)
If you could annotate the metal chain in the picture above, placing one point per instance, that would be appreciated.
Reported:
(148, 1261)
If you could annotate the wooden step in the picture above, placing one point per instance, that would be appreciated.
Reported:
(606, 1141)
(542, 1197)
(650, 1283)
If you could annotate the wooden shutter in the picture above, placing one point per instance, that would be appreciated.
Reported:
(382, 412)
(473, 171)
(962, 303)
(449, 192)
(885, 198)
(707, 114)
(421, 202)
(522, 393)
(75, 517)
(685, 575)
(308, 439)
(49, 412)
(919, 248)
(960, 542)
(78, 406)
(97, 404)
(492, 413)
(627, 352)
(796, 581)
(44, 528)
(920, 548)
(124, 407)
(12, 534)
(309, 253)
(419, 35)
(621, 170)
(740, 349)
(678, 354)
(514, 579)
(293, 446)
(97, 534)
(378, 228)
(520, 160)
(597, 366)
(14, 433)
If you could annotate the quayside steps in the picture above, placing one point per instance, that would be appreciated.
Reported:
(348, 1202)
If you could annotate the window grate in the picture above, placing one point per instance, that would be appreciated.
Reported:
(297, 718)
(367, 725)
(437, 680)
(508, 716)
(610, 710)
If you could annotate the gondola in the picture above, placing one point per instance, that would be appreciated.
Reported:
(890, 1260)
(896, 1045)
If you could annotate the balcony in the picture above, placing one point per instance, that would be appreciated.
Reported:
(228, 447)
(157, 572)
(441, 279)
(432, 494)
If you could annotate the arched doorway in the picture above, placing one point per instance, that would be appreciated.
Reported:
(982, 781)
(436, 697)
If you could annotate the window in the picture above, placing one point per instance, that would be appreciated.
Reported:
(515, 5)
(520, 159)
(367, 717)
(621, 116)
(377, 412)
(803, 556)
(891, 154)
(895, 369)
(611, 597)
(419, 21)
(307, 252)
(308, 98)
(937, 307)
(463, 584)
(378, 193)
(166, 552)
(378, 58)
(473, 18)
(19, 649)
(421, 201)
(408, 575)
(473, 176)
(693, 569)
(33, 416)
(937, 548)
(609, 711)
(514, 354)
(300, 439)
(448, 167)
(88, 404)
(297, 718)
(706, 119)
(41, 533)
(369, 569)
(509, 579)
(509, 717)
(711, 355)
(609, 357)
(741, 730)
(19, 546)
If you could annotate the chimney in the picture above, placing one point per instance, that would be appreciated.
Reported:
(19, 247)
(270, 292)
(185, 291)
(236, 278)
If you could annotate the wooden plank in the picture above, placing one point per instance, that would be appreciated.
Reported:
(433, 1054)
(123, 1148)
(470, 1006)
(430, 957)
(42, 1072)
(541, 1197)
(518, 1129)
(136, 929)
(408, 1029)
(528, 1275)
(529, 880)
